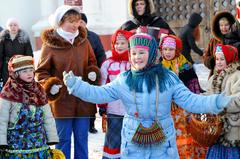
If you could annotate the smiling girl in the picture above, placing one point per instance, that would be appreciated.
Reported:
(226, 78)
(110, 69)
(146, 90)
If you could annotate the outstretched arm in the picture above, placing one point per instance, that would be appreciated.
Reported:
(198, 103)
(91, 93)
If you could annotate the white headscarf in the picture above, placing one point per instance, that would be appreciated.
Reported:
(55, 18)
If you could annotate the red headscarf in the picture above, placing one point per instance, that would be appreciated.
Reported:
(115, 55)
(230, 53)
(17, 90)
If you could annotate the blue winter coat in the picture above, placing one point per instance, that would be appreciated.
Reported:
(118, 89)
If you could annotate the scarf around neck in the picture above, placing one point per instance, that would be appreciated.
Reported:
(136, 79)
(119, 57)
(16, 90)
(67, 35)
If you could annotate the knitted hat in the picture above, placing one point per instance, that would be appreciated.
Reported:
(20, 62)
(84, 17)
(194, 20)
(145, 41)
(178, 43)
(230, 52)
(55, 18)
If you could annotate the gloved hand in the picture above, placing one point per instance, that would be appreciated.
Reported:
(92, 76)
(69, 78)
(102, 110)
(55, 89)
(223, 100)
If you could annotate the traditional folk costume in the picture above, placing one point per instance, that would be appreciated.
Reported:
(228, 81)
(187, 147)
(27, 125)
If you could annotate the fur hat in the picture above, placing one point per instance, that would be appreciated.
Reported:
(215, 23)
(145, 41)
(55, 18)
(84, 17)
(230, 52)
(20, 62)
(194, 20)
(150, 9)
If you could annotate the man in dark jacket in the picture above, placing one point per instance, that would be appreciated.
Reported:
(100, 56)
(142, 12)
(188, 39)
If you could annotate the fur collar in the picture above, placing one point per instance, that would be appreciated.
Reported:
(21, 36)
(132, 11)
(215, 24)
(218, 78)
(51, 38)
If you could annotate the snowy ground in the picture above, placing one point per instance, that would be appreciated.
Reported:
(96, 141)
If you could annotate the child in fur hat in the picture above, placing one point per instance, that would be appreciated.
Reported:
(225, 31)
(226, 78)
(147, 91)
(171, 48)
(110, 69)
(27, 125)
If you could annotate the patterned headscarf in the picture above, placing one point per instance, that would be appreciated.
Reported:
(136, 79)
(178, 43)
(145, 41)
(17, 90)
(230, 52)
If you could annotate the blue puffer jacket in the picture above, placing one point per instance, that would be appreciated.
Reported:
(178, 93)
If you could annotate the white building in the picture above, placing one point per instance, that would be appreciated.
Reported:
(104, 16)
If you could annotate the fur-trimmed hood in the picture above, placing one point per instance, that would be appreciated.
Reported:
(52, 39)
(150, 9)
(215, 23)
(21, 36)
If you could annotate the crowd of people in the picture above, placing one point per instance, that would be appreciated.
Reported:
(147, 88)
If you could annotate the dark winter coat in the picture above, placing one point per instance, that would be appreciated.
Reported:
(59, 55)
(147, 19)
(8, 47)
(233, 38)
(188, 39)
(97, 47)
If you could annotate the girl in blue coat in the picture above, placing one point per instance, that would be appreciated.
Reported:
(147, 91)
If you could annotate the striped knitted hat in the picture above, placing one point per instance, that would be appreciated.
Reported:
(20, 62)
(145, 41)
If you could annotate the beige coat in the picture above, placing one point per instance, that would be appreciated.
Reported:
(229, 81)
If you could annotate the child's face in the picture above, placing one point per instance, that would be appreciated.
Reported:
(121, 45)
(224, 26)
(220, 62)
(71, 24)
(27, 75)
(138, 58)
(140, 6)
(168, 53)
